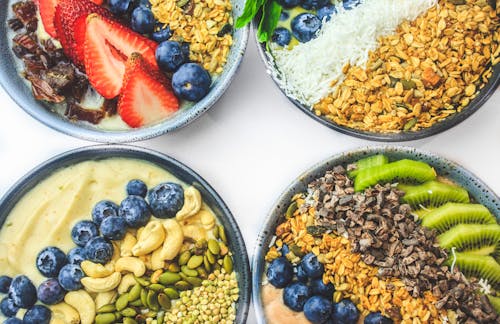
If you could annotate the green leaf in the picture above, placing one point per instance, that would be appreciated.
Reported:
(270, 17)
(251, 9)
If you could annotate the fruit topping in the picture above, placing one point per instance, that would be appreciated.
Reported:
(8, 308)
(295, 295)
(99, 250)
(191, 82)
(312, 267)
(301, 274)
(47, 10)
(13, 320)
(137, 187)
(433, 193)
(318, 287)
(481, 266)
(84, 231)
(113, 228)
(119, 7)
(135, 211)
(50, 260)
(377, 318)
(5, 284)
(50, 292)
(103, 209)
(70, 276)
(38, 314)
(280, 272)
(465, 237)
(314, 4)
(350, 4)
(162, 33)
(368, 162)
(326, 11)
(166, 199)
(318, 309)
(169, 56)
(22, 292)
(281, 36)
(146, 97)
(305, 26)
(289, 3)
(345, 312)
(142, 20)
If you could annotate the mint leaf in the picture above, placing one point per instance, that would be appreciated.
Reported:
(251, 9)
(270, 17)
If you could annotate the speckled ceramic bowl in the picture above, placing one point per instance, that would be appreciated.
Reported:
(20, 92)
(477, 189)
(179, 170)
(437, 128)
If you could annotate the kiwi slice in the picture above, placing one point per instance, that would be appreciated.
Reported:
(451, 214)
(433, 193)
(495, 302)
(470, 236)
(402, 170)
(480, 266)
(422, 212)
(368, 162)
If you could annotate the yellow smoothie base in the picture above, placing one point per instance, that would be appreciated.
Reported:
(46, 214)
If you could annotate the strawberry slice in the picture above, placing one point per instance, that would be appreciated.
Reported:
(146, 96)
(108, 45)
(47, 9)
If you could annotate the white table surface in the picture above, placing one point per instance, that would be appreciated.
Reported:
(252, 144)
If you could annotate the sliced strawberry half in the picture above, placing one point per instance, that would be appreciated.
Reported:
(108, 45)
(146, 96)
(47, 9)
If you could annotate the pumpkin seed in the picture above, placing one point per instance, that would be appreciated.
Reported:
(168, 278)
(202, 273)
(134, 293)
(128, 320)
(107, 308)
(210, 257)
(174, 267)
(156, 275)
(195, 261)
(144, 297)
(105, 318)
(184, 258)
(153, 301)
(142, 281)
(213, 247)
(408, 84)
(160, 317)
(182, 285)
(222, 234)
(215, 232)
(206, 263)
(121, 302)
(129, 312)
(150, 314)
(136, 303)
(164, 301)
(182, 3)
(409, 125)
(316, 230)
(118, 316)
(190, 272)
(297, 250)
(171, 293)
(223, 249)
(291, 209)
(196, 282)
(228, 264)
(156, 287)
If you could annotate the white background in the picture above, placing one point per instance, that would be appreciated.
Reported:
(252, 144)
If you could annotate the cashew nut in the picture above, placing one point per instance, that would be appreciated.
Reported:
(157, 261)
(127, 244)
(131, 264)
(147, 260)
(194, 232)
(83, 303)
(192, 204)
(151, 238)
(64, 313)
(173, 239)
(116, 252)
(105, 298)
(102, 284)
(97, 270)
(128, 281)
(207, 219)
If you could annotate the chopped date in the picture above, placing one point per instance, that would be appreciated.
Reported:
(25, 11)
(76, 112)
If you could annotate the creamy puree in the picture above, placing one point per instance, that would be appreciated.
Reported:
(275, 311)
(46, 214)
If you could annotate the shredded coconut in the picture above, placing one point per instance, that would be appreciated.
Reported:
(307, 71)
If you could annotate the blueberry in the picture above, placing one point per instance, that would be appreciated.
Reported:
(295, 295)
(318, 309)
(135, 211)
(5, 284)
(351, 4)
(99, 250)
(13, 320)
(119, 7)
(185, 50)
(301, 274)
(319, 288)
(8, 308)
(50, 292)
(285, 250)
(281, 36)
(377, 318)
(76, 255)
(280, 272)
(162, 33)
(305, 26)
(314, 4)
(143, 20)
(144, 3)
(191, 82)
(22, 292)
(289, 3)
(84, 231)
(70, 276)
(312, 266)
(284, 16)
(113, 228)
(38, 314)
(137, 187)
(345, 312)
(50, 260)
(326, 11)
(169, 56)
(103, 209)
(166, 199)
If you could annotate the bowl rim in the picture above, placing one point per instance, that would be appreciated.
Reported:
(105, 151)
(39, 111)
(439, 127)
(267, 228)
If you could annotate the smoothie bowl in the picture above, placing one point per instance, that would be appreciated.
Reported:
(119, 70)
(119, 235)
(380, 235)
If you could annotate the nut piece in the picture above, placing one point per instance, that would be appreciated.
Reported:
(83, 303)
(102, 284)
(96, 270)
(207, 219)
(64, 314)
(127, 244)
(131, 264)
(192, 204)
(157, 261)
(151, 238)
(173, 239)
(128, 281)
(105, 298)
(194, 232)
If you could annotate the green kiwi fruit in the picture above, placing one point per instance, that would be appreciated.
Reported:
(368, 162)
(470, 237)
(484, 250)
(451, 214)
(422, 212)
(433, 193)
(402, 170)
(480, 266)
(495, 302)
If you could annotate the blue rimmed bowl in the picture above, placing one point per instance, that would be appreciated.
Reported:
(20, 91)
(177, 169)
(476, 188)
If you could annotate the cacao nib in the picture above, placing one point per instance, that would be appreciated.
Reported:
(25, 11)
(76, 112)
(43, 91)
